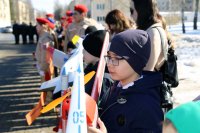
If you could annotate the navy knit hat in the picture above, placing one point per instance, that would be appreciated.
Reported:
(134, 44)
(93, 42)
(90, 29)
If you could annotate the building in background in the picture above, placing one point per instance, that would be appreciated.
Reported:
(175, 5)
(19, 11)
(5, 19)
(98, 9)
(22, 11)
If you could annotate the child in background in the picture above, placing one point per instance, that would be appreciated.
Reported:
(183, 119)
(92, 45)
(118, 22)
(133, 105)
(90, 29)
(70, 47)
(45, 39)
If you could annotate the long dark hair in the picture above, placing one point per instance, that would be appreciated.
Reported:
(117, 18)
(147, 11)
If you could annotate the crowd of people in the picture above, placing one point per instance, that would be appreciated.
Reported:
(26, 31)
(131, 99)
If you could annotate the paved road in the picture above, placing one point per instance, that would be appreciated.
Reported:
(18, 89)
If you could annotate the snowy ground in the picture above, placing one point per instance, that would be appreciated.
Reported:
(188, 51)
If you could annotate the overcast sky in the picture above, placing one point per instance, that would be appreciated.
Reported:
(47, 5)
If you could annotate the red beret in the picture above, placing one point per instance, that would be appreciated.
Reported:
(49, 15)
(51, 25)
(42, 20)
(69, 13)
(45, 21)
(80, 8)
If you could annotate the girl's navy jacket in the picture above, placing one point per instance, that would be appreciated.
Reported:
(136, 109)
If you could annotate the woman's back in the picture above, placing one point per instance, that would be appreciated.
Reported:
(157, 56)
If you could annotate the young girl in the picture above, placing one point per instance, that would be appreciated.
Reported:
(133, 104)
(45, 38)
(118, 22)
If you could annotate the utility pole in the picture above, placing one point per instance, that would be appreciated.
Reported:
(111, 4)
(170, 11)
(91, 9)
(196, 14)
(182, 16)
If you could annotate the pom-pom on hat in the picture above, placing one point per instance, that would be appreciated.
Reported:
(45, 21)
(93, 42)
(135, 46)
(186, 117)
(80, 8)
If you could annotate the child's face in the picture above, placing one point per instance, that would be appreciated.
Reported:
(121, 72)
(39, 28)
(69, 50)
(88, 58)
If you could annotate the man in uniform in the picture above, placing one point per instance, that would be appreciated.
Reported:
(16, 32)
(78, 26)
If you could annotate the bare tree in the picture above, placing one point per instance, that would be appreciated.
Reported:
(58, 9)
(182, 16)
(196, 15)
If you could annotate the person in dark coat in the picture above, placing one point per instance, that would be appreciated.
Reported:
(133, 105)
(59, 30)
(92, 45)
(31, 33)
(35, 33)
(24, 32)
(16, 32)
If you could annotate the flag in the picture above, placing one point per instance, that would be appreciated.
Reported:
(58, 57)
(96, 89)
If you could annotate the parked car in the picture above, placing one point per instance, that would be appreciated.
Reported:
(7, 29)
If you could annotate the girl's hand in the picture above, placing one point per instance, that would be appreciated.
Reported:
(102, 128)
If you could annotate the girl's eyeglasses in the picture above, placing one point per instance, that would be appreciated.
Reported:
(114, 60)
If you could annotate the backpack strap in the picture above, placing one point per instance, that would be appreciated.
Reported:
(162, 41)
